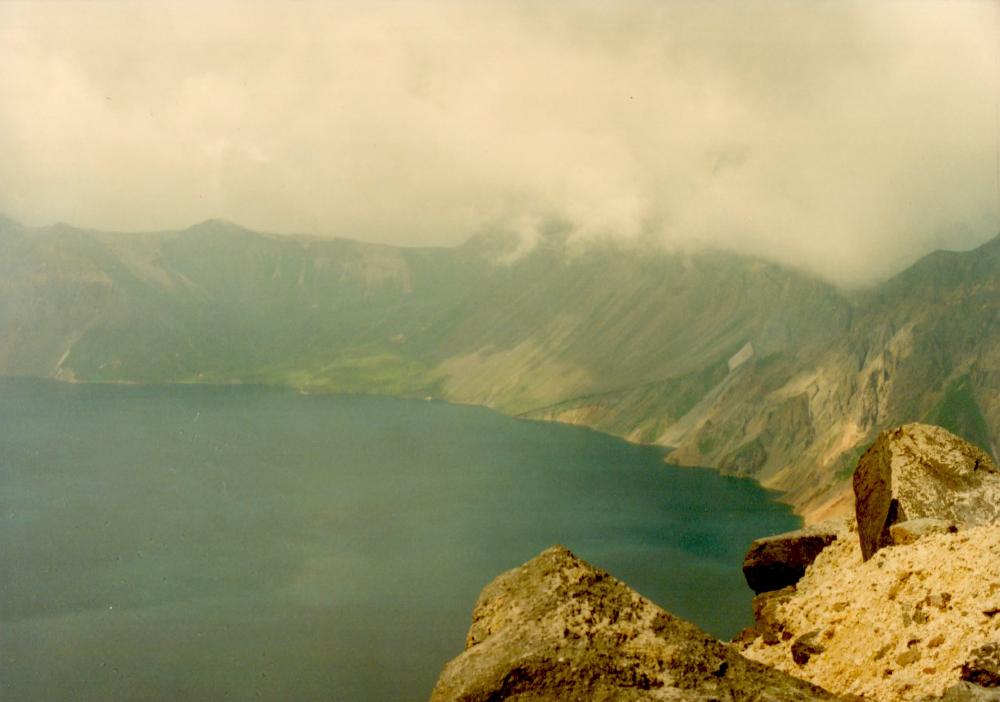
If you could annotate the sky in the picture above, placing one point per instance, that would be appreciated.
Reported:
(846, 138)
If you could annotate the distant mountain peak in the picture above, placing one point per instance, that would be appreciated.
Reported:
(64, 227)
(218, 225)
(991, 245)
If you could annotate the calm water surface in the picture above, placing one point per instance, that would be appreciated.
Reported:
(241, 543)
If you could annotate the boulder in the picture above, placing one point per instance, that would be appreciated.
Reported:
(775, 562)
(558, 629)
(903, 533)
(917, 471)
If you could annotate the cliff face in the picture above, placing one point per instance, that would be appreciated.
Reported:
(735, 363)
(921, 347)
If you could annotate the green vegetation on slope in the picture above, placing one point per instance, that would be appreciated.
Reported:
(641, 413)
(958, 412)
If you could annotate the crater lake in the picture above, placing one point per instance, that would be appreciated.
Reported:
(250, 543)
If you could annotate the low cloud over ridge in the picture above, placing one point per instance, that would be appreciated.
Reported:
(847, 138)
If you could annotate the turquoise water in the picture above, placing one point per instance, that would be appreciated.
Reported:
(243, 543)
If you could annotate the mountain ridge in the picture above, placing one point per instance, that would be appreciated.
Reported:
(733, 362)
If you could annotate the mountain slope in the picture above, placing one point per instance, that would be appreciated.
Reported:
(733, 362)
(921, 347)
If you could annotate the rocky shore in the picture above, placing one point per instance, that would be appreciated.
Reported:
(899, 602)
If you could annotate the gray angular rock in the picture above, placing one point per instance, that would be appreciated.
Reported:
(558, 629)
(775, 562)
(917, 471)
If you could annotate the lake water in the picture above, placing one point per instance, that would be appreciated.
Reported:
(244, 543)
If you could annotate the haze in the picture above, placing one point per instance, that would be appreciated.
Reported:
(846, 138)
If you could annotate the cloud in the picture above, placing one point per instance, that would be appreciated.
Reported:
(846, 138)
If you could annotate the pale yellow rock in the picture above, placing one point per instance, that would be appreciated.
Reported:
(912, 530)
(899, 626)
(920, 471)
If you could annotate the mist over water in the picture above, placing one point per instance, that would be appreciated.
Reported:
(192, 542)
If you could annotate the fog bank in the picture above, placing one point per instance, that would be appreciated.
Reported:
(847, 138)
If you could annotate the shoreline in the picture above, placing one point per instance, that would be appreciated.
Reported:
(776, 495)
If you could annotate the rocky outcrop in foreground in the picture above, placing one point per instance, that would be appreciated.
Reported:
(899, 626)
(899, 603)
(904, 604)
(919, 471)
(558, 629)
